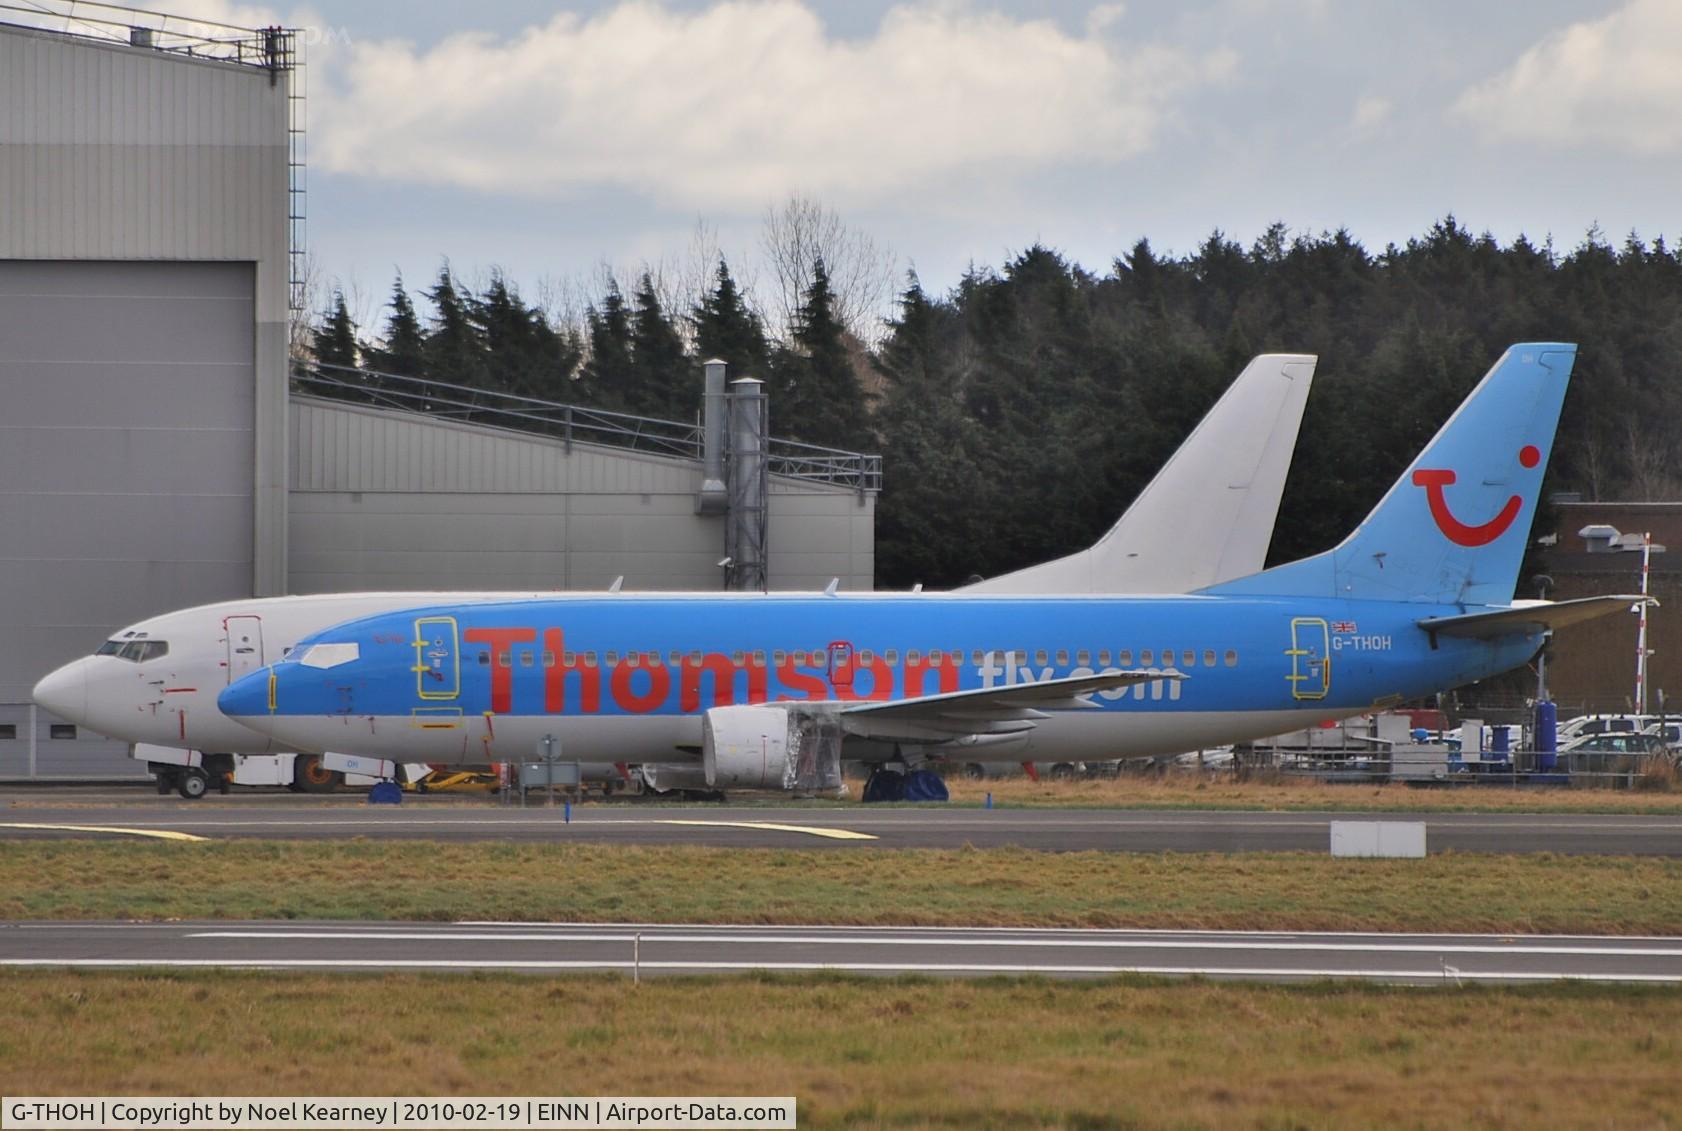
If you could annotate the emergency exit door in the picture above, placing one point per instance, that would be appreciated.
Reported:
(437, 658)
(1311, 659)
(244, 637)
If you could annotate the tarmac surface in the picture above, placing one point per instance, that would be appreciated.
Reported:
(63, 813)
(643, 950)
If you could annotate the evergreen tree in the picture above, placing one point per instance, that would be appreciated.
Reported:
(335, 340)
(404, 350)
(726, 329)
(454, 350)
(815, 393)
(926, 535)
(523, 353)
(663, 381)
(608, 374)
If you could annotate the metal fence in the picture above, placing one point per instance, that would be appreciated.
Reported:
(272, 48)
(1428, 764)
(572, 423)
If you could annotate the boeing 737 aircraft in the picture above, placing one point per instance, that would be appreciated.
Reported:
(768, 689)
(1208, 515)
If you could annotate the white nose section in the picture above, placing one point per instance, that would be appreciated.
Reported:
(65, 692)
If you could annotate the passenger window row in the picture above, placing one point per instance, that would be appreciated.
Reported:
(935, 657)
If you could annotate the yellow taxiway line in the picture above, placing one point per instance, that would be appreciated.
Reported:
(159, 834)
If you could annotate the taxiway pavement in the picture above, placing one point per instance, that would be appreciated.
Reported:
(35, 815)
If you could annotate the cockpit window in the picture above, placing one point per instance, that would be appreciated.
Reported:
(138, 651)
(109, 648)
(329, 655)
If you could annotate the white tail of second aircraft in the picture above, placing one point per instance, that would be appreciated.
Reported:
(1208, 515)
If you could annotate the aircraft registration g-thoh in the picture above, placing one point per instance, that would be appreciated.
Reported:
(768, 690)
(1207, 516)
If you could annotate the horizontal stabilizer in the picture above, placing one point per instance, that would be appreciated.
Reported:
(1534, 617)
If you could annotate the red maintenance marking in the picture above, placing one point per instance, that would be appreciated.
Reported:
(178, 690)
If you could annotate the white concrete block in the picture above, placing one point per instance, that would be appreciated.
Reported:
(1379, 838)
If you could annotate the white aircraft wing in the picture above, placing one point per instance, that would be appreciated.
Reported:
(1208, 515)
(985, 710)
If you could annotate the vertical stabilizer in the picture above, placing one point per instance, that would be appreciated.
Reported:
(1453, 528)
(1208, 515)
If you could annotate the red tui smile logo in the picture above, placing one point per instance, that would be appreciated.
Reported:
(1459, 532)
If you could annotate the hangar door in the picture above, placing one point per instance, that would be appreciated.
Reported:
(127, 393)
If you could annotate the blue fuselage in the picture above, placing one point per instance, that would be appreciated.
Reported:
(629, 676)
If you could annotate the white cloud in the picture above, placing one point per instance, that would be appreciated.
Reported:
(736, 104)
(1616, 81)
(1371, 112)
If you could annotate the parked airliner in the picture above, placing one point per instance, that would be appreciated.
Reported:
(763, 687)
(1207, 516)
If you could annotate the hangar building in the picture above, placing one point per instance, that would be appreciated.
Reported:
(151, 457)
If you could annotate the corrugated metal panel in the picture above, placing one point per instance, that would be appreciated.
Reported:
(125, 450)
(108, 152)
(347, 448)
(115, 153)
(388, 500)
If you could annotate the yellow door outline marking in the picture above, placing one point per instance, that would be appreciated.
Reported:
(156, 834)
(421, 667)
(1304, 684)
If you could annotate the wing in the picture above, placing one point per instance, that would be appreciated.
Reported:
(985, 710)
(1540, 616)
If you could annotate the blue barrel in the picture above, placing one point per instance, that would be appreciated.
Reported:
(1547, 734)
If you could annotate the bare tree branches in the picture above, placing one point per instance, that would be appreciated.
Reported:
(801, 231)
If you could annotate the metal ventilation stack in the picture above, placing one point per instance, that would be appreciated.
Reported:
(745, 525)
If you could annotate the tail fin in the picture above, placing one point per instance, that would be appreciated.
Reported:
(1453, 529)
(1208, 515)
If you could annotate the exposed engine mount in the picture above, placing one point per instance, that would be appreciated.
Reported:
(794, 747)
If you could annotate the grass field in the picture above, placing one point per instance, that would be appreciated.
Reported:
(900, 1053)
(547, 882)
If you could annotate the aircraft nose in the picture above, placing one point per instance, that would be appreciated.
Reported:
(248, 697)
(65, 692)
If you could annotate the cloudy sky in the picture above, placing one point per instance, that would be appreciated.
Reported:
(547, 139)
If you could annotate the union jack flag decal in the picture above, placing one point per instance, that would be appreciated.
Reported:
(1343, 626)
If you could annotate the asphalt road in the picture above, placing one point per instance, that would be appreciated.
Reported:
(25, 815)
(690, 949)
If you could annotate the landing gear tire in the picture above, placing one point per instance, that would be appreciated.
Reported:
(193, 783)
(310, 776)
(166, 782)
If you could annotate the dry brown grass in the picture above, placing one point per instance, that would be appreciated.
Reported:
(900, 1053)
(1182, 790)
(859, 885)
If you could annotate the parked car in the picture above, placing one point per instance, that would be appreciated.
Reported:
(1619, 742)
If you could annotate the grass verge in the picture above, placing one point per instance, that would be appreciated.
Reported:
(901, 1053)
(1181, 790)
(1009, 887)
